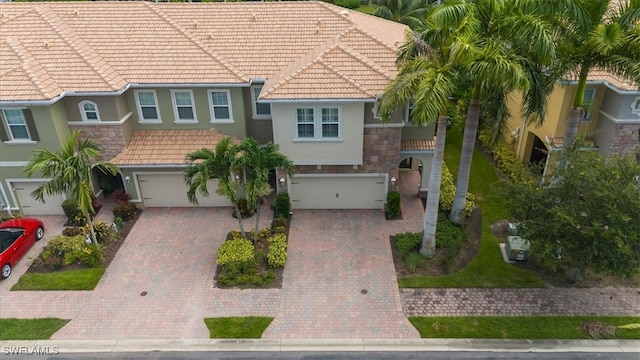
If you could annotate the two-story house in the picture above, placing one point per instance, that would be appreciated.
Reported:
(611, 120)
(152, 82)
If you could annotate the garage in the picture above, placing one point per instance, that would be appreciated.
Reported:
(169, 190)
(338, 192)
(52, 204)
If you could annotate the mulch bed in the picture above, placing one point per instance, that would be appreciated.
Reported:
(437, 265)
(111, 248)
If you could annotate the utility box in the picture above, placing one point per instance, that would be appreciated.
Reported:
(513, 228)
(517, 248)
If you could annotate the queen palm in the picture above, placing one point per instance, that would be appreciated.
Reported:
(408, 12)
(257, 161)
(593, 34)
(500, 41)
(222, 164)
(69, 170)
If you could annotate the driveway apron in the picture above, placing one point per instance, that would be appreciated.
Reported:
(340, 280)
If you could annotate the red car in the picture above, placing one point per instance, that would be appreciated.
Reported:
(17, 236)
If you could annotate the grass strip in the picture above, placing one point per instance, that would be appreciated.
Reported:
(29, 329)
(83, 279)
(249, 327)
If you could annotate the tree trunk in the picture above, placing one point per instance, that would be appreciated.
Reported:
(573, 123)
(94, 239)
(428, 246)
(468, 143)
(255, 233)
(239, 217)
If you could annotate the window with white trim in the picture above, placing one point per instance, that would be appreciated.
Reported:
(147, 102)
(408, 116)
(16, 123)
(220, 103)
(588, 103)
(635, 106)
(89, 111)
(261, 110)
(322, 122)
(183, 106)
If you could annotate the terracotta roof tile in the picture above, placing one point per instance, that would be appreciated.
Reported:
(419, 145)
(102, 46)
(166, 147)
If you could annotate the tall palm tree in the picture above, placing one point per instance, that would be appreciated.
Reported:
(499, 40)
(69, 171)
(222, 164)
(408, 12)
(257, 161)
(593, 34)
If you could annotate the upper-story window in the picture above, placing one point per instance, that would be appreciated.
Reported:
(318, 123)
(635, 106)
(89, 111)
(183, 106)
(408, 116)
(588, 103)
(148, 110)
(19, 125)
(220, 102)
(261, 110)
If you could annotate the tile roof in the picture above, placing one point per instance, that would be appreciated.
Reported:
(47, 48)
(418, 145)
(603, 75)
(166, 147)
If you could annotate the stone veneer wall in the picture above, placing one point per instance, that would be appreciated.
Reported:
(625, 139)
(109, 137)
(381, 154)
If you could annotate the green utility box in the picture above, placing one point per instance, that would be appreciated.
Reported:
(517, 248)
(513, 228)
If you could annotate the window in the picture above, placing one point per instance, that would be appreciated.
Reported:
(635, 106)
(377, 113)
(89, 111)
(17, 124)
(148, 106)
(220, 101)
(588, 103)
(183, 107)
(260, 110)
(318, 123)
(305, 123)
(409, 113)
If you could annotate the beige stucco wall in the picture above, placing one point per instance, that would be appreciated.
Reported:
(107, 107)
(346, 151)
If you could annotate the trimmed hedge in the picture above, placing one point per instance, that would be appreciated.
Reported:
(277, 251)
(282, 206)
(408, 242)
(507, 161)
(393, 204)
(236, 256)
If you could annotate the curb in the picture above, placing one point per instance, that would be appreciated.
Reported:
(277, 345)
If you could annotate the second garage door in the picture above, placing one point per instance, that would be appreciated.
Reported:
(52, 204)
(169, 190)
(348, 192)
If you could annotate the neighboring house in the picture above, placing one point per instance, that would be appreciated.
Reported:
(152, 82)
(611, 120)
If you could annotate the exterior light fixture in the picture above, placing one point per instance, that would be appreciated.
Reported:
(282, 181)
(127, 179)
(393, 180)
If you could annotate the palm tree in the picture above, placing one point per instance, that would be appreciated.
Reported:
(221, 164)
(500, 42)
(69, 171)
(593, 34)
(257, 161)
(408, 12)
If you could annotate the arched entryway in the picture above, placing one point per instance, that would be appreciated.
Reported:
(410, 175)
(106, 182)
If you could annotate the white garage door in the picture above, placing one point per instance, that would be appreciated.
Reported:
(349, 192)
(169, 190)
(52, 204)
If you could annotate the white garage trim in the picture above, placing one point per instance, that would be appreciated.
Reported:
(377, 200)
(14, 196)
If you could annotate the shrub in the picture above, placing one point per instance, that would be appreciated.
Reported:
(393, 204)
(279, 221)
(448, 192)
(101, 229)
(92, 255)
(121, 197)
(69, 248)
(349, 4)
(243, 206)
(235, 234)
(277, 251)
(125, 211)
(413, 260)
(283, 205)
(71, 211)
(264, 233)
(448, 235)
(507, 161)
(408, 242)
(236, 256)
(279, 230)
(73, 231)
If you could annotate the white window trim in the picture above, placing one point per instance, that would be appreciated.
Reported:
(9, 133)
(407, 111)
(213, 115)
(83, 112)
(317, 123)
(141, 120)
(635, 108)
(377, 115)
(254, 100)
(590, 109)
(175, 107)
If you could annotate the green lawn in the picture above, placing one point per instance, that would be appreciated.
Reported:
(521, 327)
(367, 9)
(488, 269)
(249, 327)
(84, 279)
(29, 329)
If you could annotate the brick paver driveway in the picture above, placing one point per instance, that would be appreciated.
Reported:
(335, 256)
